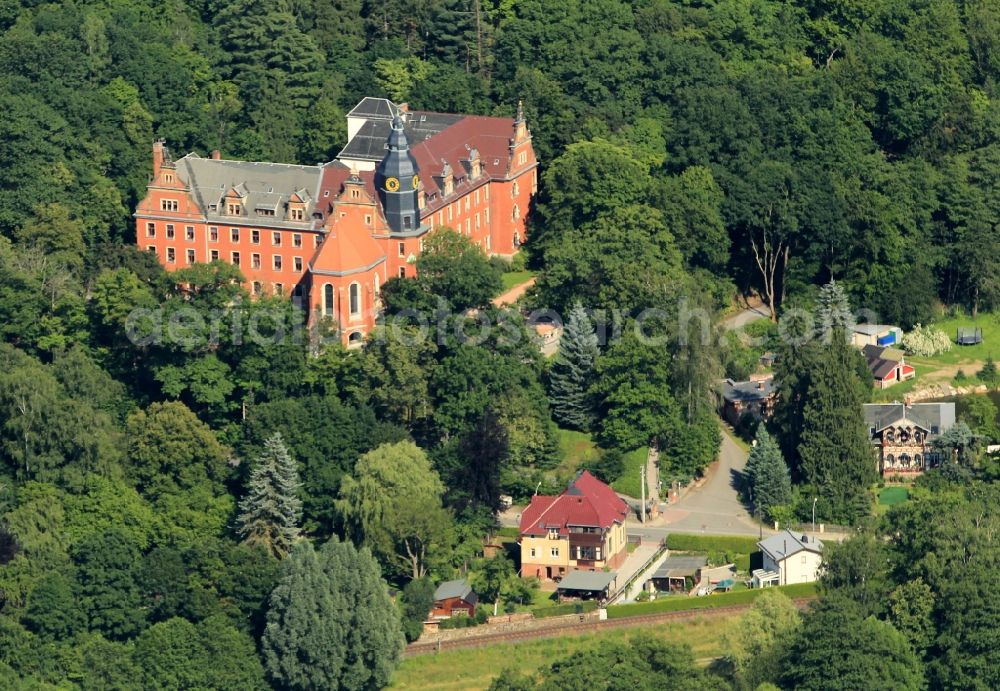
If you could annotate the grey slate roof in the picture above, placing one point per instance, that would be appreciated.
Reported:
(371, 107)
(873, 329)
(459, 588)
(786, 543)
(265, 186)
(747, 390)
(680, 566)
(369, 143)
(928, 416)
(881, 360)
(592, 581)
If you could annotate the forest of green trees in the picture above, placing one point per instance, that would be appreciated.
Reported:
(178, 512)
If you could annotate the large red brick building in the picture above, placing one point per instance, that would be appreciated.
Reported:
(330, 235)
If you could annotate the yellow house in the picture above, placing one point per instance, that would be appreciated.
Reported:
(582, 528)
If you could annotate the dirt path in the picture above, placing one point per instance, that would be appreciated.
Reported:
(948, 372)
(512, 295)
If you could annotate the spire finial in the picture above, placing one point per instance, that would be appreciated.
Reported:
(520, 111)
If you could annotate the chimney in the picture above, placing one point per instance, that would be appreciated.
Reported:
(158, 148)
(404, 107)
(216, 155)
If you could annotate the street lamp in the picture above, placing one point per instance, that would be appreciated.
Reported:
(815, 499)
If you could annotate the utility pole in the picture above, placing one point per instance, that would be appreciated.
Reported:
(815, 499)
(642, 480)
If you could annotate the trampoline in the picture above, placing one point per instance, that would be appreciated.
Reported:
(969, 335)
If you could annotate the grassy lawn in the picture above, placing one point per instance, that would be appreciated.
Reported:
(893, 495)
(889, 497)
(575, 448)
(989, 323)
(682, 602)
(897, 391)
(515, 278)
(629, 483)
(475, 668)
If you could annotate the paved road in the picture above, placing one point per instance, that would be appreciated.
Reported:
(741, 319)
(714, 508)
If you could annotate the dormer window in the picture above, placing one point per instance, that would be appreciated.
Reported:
(234, 208)
(475, 164)
(296, 214)
(448, 178)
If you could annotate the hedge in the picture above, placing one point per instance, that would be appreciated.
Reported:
(711, 543)
(566, 608)
(675, 603)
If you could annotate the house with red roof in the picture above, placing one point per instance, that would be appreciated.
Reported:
(330, 235)
(581, 529)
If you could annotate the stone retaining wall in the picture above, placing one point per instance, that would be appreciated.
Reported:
(508, 624)
(944, 391)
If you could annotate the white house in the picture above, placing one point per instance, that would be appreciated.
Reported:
(793, 556)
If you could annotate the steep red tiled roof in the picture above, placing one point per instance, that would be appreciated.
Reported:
(489, 135)
(586, 502)
(345, 249)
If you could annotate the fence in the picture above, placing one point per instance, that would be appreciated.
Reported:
(820, 528)
(639, 572)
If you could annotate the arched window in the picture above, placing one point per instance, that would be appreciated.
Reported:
(327, 300)
(376, 286)
(354, 294)
(916, 459)
(514, 189)
(517, 239)
(355, 338)
(516, 213)
(890, 459)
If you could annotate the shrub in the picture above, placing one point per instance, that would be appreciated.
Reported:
(519, 262)
(960, 375)
(500, 263)
(988, 374)
(926, 341)
(711, 543)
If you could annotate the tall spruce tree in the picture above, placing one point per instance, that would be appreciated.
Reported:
(573, 371)
(836, 456)
(271, 510)
(767, 475)
(833, 311)
(331, 624)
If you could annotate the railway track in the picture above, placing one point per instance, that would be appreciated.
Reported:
(585, 626)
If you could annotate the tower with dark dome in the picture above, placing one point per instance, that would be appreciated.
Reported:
(397, 180)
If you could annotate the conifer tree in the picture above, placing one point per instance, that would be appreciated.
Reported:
(767, 474)
(330, 623)
(836, 456)
(271, 510)
(834, 310)
(572, 372)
